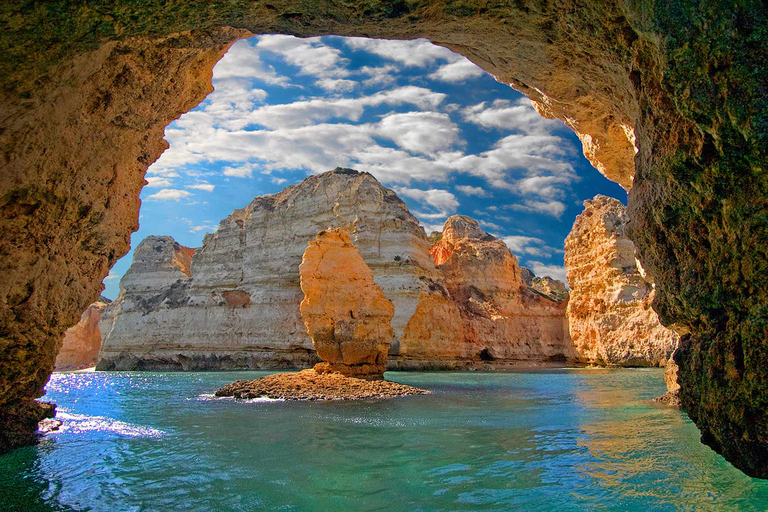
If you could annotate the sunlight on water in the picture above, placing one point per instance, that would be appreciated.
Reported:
(556, 440)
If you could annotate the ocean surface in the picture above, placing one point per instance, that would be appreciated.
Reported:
(551, 440)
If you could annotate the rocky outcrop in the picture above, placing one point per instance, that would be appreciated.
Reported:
(677, 92)
(609, 311)
(82, 342)
(346, 313)
(484, 310)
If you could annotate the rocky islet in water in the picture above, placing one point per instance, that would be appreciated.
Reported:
(348, 318)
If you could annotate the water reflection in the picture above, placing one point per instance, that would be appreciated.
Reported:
(549, 440)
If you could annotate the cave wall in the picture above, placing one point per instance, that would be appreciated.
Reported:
(668, 98)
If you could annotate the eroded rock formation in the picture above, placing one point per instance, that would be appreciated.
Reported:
(484, 309)
(346, 313)
(239, 307)
(82, 342)
(609, 311)
(667, 100)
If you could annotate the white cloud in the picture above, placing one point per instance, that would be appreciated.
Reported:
(529, 246)
(311, 55)
(518, 116)
(203, 227)
(278, 181)
(169, 194)
(458, 71)
(416, 52)
(442, 201)
(420, 132)
(471, 191)
(337, 84)
(242, 60)
(554, 271)
(158, 182)
(112, 276)
(302, 113)
(241, 171)
(489, 225)
(203, 186)
(531, 155)
(380, 76)
(553, 208)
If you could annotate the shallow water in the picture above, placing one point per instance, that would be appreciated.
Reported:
(554, 440)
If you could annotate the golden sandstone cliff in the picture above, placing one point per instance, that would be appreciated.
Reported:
(609, 311)
(82, 342)
(488, 311)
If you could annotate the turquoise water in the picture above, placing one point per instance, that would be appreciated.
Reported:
(555, 440)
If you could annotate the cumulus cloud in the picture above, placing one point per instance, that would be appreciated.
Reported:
(441, 202)
(472, 191)
(310, 55)
(112, 276)
(239, 171)
(208, 187)
(203, 227)
(458, 71)
(518, 116)
(169, 194)
(420, 132)
(158, 182)
(529, 246)
(337, 84)
(553, 208)
(412, 53)
(554, 271)
(242, 61)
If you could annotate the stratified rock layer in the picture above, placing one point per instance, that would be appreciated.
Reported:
(346, 313)
(82, 342)
(239, 307)
(609, 311)
(484, 310)
(668, 99)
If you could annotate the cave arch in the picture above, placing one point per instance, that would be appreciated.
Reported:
(666, 100)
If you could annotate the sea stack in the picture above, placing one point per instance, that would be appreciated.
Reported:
(609, 311)
(348, 318)
(346, 313)
(82, 342)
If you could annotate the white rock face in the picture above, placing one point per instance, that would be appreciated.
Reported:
(236, 304)
(239, 307)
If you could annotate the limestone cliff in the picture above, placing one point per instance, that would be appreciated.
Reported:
(346, 313)
(239, 307)
(485, 311)
(609, 312)
(81, 343)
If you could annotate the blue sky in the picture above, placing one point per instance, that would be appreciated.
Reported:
(426, 122)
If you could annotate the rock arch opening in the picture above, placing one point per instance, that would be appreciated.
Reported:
(613, 72)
